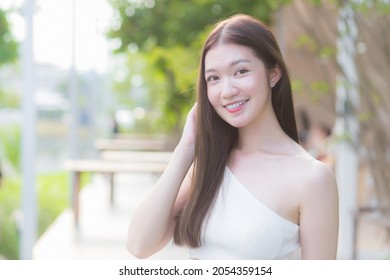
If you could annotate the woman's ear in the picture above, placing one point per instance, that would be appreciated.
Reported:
(274, 75)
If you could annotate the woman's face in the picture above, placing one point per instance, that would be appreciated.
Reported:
(238, 86)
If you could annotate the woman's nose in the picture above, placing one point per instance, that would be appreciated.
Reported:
(228, 89)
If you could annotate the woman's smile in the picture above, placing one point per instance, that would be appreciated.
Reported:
(235, 106)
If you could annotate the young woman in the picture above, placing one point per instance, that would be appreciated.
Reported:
(239, 185)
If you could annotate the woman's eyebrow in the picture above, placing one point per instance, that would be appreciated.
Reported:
(238, 61)
(235, 62)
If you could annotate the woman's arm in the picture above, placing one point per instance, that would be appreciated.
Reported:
(319, 215)
(152, 224)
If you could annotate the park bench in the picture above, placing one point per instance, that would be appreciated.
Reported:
(133, 153)
(79, 166)
(123, 135)
(116, 144)
(136, 156)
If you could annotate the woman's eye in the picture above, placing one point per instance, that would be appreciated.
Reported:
(212, 78)
(242, 71)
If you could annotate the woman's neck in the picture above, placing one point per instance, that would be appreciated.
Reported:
(264, 135)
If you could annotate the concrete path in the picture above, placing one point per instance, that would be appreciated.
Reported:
(102, 230)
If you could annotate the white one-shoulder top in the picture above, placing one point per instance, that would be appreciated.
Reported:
(239, 226)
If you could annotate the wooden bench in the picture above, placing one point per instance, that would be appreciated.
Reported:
(77, 167)
(130, 144)
(147, 136)
(136, 156)
(376, 215)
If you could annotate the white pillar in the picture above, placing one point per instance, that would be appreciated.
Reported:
(347, 129)
(74, 110)
(346, 175)
(73, 128)
(29, 209)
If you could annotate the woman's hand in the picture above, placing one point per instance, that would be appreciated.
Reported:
(188, 137)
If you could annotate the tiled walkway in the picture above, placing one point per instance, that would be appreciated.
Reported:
(102, 230)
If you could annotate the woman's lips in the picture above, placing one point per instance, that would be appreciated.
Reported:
(235, 106)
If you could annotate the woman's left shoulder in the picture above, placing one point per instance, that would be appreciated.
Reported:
(311, 172)
(316, 177)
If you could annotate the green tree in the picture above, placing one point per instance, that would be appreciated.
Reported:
(174, 22)
(8, 45)
(8, 54)
(168, 35)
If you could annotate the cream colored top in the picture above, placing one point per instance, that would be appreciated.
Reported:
(241, 227)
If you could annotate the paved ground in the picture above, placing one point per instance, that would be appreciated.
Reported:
(103, 228)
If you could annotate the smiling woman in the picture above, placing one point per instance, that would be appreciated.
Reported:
(239, 185)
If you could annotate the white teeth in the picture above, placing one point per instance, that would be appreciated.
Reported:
(235, 105)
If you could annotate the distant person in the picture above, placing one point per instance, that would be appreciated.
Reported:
(115, 127)
(319, 144)
(239, 185)
(305, 127)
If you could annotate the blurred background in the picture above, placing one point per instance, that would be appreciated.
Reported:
(75, 72)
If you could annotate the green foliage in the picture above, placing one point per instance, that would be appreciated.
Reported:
(8, 45)
(316, 89)
(297, 86)
(167, 85)
(9, 99)
(10, 141)
(320, 87)
(9, 204)
(327, 52)
(52, 198)
(52, 190)
(177, 22)
(382, 7)
(178, 67)
(306, 42)
(309, 44)
(361, 6)
(168, 35)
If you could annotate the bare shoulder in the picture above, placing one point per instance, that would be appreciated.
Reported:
(317, 179)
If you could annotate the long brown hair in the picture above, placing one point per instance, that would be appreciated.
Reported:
(215, 138)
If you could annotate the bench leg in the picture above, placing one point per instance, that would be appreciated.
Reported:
(76, 196)
(355, 238)
(111, 183)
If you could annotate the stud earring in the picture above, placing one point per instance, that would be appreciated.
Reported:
(272, 84)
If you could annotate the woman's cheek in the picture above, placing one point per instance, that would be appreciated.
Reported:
(212, 96)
